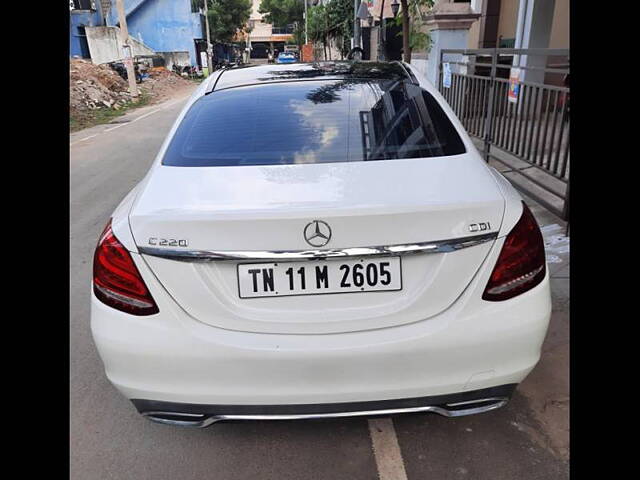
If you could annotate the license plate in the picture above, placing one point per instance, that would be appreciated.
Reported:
(316, 277)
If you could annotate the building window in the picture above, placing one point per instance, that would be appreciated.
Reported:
(82, 5)
(288, 30)
(506, 42)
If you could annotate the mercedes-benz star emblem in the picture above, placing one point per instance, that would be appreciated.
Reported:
(317, 233)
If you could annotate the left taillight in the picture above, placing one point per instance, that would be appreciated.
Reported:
(116, 279)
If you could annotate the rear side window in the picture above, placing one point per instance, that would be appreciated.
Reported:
(322, 121)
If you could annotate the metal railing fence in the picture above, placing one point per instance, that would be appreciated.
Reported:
(530, 135)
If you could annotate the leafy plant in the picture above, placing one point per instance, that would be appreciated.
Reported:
(285, 12)
(226, 17)
(331, 23)
(411, 21)
(282, 12)
(318, 26)
(340, 20)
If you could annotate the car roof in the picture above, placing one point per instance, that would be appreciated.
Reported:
(261, 74)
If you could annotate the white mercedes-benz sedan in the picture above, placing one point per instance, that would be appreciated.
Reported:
(318, 240)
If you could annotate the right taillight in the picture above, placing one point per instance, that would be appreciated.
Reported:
(116, 279)
(521, 264)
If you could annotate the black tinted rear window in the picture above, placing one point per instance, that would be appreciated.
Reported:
(313, 122)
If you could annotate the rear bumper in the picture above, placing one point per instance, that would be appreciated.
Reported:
(199, 415)
(170, 357)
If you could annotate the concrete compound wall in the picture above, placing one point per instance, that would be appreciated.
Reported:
(508, 22)
(105, 45)
(442, 40)
(163, 25)
(80, 18)
(175, 58)
(420, 64)
(560, 28)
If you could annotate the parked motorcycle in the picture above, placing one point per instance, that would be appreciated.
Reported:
(121, 70)
(186, 71)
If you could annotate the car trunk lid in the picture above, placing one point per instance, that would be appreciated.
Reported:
(266, 208)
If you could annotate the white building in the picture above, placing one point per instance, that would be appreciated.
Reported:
(264, 36)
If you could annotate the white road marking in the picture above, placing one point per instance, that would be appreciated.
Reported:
(132, 121)
(85, 138)
(113, 128)
(176, 101)
(386, 449)
(145, 115)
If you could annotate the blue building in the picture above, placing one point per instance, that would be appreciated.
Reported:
(162, 25)
(83, 13)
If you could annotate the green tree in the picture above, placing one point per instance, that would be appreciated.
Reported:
(298, 35)
(332, 22)
(340, 20)
(285, 12)
(282, 12)
(411, 21)
(317, 26)
(226, 17)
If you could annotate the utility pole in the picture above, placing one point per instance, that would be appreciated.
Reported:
(326, 26)
(128, 54)
(356, 24)
(251, 25)
(381, 35)
(209, 50)
(306, 36)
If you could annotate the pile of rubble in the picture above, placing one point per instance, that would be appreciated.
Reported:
(162, 83)
(99, 86)
(95, 91)
(95, 86)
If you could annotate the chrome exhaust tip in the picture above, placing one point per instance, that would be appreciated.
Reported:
(471, 407)
(197, 420)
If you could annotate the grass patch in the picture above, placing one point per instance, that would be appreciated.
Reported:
(99, 116)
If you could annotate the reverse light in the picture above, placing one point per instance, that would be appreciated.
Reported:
(116, 279)
(521, 264)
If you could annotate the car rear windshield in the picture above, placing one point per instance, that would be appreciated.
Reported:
(316, 121)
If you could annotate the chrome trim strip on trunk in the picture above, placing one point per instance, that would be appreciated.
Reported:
(441, 246)
(202, 420)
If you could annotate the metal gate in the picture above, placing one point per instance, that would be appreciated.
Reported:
(527, 133)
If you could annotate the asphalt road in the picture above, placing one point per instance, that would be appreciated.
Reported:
(524, 440)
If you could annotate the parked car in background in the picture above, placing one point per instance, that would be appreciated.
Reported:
(372, 263)
(292, 49)
(286, 57)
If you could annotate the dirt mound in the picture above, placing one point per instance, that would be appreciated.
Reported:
(95, 86)
(162, 83)
(99, 86)
(97, 91)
